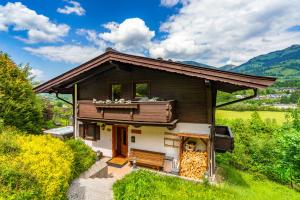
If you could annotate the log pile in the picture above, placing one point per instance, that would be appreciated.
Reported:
(193, 164)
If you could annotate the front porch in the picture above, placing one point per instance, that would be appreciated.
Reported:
(155, 147)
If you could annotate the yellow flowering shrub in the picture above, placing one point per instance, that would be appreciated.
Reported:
(49, 160)
(36, 167)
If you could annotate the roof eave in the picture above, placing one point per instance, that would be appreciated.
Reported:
(173, 67)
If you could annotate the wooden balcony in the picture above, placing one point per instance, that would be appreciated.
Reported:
(224, 140)
(136, 111)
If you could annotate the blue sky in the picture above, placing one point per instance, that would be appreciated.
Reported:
(54, 36)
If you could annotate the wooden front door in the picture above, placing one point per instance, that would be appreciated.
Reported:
(120, 141)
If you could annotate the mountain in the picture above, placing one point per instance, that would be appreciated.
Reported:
(188, 62)
(284, 64)
(228, 67)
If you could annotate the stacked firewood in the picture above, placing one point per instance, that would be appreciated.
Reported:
(193, 164)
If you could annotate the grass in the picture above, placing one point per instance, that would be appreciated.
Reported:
(227, 114)
(237, 185)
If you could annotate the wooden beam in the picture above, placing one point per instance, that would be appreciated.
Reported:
(205, 142)
(134, 123)
(192, 135)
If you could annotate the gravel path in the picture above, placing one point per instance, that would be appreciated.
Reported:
(91, 189)
(96, 183)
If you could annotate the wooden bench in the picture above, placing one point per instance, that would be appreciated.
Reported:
(147, 158)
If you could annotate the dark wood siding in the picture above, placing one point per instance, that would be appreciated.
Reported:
(190, 93)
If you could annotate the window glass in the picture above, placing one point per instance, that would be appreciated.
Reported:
(141, 90)
(116, 91)
(90, 132)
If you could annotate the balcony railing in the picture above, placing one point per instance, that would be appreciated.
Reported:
(136, 111)
(224, 140)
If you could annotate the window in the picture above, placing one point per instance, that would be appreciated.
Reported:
(141, 90)
(116, 91)
(89, 131)
(171, 140)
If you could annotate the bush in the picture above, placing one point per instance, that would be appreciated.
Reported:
(84, 157)
(264, 147)
(16, 183)
(39, 167)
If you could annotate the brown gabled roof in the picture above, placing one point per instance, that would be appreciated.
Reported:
(247, 81)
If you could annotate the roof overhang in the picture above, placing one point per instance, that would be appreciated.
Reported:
(226, 81)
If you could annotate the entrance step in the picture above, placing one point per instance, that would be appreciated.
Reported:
(117, 161)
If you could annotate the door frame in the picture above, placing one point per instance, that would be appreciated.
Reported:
(114, 138)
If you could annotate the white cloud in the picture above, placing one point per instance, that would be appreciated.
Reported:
(132, 35)
(169, 3)
(215, 32)
(92, 36)
(212, 32)
(75, 8)
(66, 53)
(37, 74)
(39, 28)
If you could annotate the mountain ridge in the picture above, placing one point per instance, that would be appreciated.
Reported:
(283, 64)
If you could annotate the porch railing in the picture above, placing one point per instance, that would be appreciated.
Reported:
(156, 111)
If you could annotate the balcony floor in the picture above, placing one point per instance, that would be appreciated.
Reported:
(171, 124)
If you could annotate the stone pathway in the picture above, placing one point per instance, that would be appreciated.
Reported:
(97, 182)
(91, 189)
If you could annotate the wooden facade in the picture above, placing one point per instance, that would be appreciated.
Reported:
(189, 94)
(227, 81)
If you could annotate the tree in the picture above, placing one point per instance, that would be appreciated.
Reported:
(19, 105)
(285, 99)
(295, 97)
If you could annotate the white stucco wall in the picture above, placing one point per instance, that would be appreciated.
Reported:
(151, 139)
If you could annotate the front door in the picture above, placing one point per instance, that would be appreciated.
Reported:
(121, 141)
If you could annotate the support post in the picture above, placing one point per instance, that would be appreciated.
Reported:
(211, 94)
(75, 104)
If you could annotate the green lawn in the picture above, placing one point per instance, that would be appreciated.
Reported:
(227, 114)
(236, 185)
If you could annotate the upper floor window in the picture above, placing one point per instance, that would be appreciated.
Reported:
(141, 90)
(116, 90)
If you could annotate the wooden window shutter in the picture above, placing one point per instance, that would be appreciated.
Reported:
(81, 131)
(97, 132)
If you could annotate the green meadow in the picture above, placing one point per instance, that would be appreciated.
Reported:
(233, 185)
(245, 115)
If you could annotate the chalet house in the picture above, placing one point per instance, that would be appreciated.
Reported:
(154, 112)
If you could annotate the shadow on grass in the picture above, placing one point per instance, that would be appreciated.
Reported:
(232, 176)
